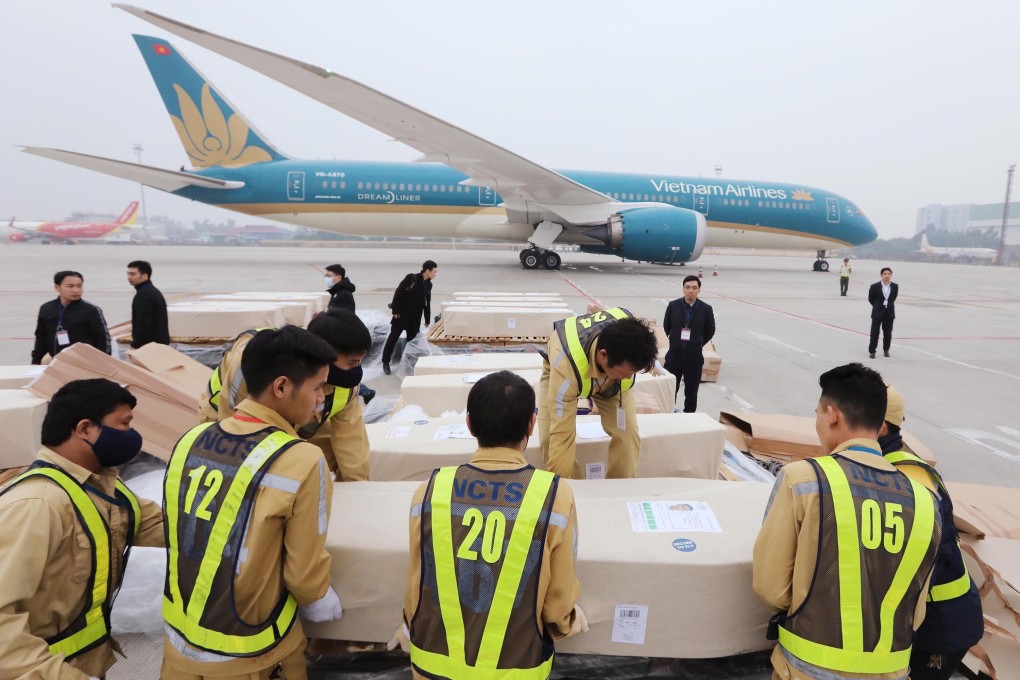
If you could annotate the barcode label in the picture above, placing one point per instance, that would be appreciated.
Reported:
(629, 623)
(595, 471)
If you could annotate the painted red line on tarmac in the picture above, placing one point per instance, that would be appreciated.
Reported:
(573, 285)
(318, 269)
(791, 315)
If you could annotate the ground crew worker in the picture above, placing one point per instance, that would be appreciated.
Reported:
(847, 545)
(953, 622)
(67, 525)
(339, 430)
(475, 604)
(595, 355)
(247, 506)
(845, 270)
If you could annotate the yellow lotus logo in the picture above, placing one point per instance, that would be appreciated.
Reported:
(801, 195)
(211, 139)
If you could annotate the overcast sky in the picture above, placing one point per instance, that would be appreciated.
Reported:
(894, 105)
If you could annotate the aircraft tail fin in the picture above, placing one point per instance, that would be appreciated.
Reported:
(211, 129)
(925, 246)
(129, 215)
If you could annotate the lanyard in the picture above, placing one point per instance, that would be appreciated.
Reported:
(248, 419)
(60, 318)
(864, 449)
(688, 317)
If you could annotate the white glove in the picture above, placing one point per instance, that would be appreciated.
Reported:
(326, 608)
(402, 638)
(580, 624)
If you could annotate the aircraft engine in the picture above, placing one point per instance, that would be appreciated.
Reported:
(18, 238)
(657, 233)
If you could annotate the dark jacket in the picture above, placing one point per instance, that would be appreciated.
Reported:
(148, 316)
(702, 326)
(412, 299)
(82, 320)
(341, 295)
(877, 300)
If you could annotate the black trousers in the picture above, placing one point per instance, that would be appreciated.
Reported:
(688, 368)
(885, 323)
(844, 284)
(929, 666)
(391, 341)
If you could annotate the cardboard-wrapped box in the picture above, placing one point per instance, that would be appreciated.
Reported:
(317, 301)
(21, 418)
(982, 510)
(692, 588)
(222, 319)
(672, 445)
(165, 410)
(774, 436)
(495, 295)
(439, 393)
(501, 322)
(14, 377)
(994, 564)
(477, 362)
(713, 362)
(176, 367)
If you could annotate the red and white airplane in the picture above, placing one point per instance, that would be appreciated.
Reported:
(70, 231)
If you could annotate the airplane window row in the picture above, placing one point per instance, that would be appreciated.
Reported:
(386, 186)
(736, 201)
(626, 196)
(787, 205)
(333, 185)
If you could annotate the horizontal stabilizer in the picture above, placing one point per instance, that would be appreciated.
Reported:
(157, 178)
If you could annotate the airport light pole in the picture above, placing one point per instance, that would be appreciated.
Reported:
(145, 215)
(1005, 216)
(718, 170)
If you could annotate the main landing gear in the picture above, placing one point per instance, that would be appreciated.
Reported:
(820, 264)
(533, 258)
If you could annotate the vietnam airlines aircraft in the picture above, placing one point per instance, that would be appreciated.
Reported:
(462, 185)
(954, 252)
(70, 231)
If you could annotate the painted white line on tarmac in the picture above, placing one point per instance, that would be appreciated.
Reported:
(769, 338)
(733, 396)
(986, 440)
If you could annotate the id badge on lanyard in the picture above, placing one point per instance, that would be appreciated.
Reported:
(685, 334)
(62, 337)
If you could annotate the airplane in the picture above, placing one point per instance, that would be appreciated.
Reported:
(954, 252)
(462, 185)
(69, 232)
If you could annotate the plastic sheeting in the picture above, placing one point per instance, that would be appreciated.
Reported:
(139, 605)
(746, 468)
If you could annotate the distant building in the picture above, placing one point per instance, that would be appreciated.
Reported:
(253, 233)
(968, 216)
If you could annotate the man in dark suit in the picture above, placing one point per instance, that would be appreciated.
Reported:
(149, 322)
(882, 296)
(689, 325)
(411, 299)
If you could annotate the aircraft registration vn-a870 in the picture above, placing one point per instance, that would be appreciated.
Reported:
(462, 186)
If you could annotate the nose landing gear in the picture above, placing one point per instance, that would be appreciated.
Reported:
(820, 264)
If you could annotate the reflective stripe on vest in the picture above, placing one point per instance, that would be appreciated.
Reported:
(72, 642)
(336, 401)
(958, 587)
(852, 657)
(578, 356)
(454, 665)
(188, 621)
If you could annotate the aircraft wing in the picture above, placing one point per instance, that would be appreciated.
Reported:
(519, 181)
(157, 178)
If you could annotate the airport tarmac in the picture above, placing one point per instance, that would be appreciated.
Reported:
(955, 354)
(956, 341)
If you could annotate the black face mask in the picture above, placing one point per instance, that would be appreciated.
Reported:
(115, 447)
(347, 378)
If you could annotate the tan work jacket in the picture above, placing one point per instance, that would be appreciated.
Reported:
(343, 438)
(558, 393)
(45, 565)
(284, 548)
(558, 587)
(786, 551)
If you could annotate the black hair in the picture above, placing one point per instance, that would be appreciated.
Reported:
(500, 407)
(59, 277)
(858, 392)
(79, 400)
(336, 270)
(290, 351)
(343, 330)
(692, 277)
(142, 266)
(886, 269)
(629, 340)
(428, 264)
